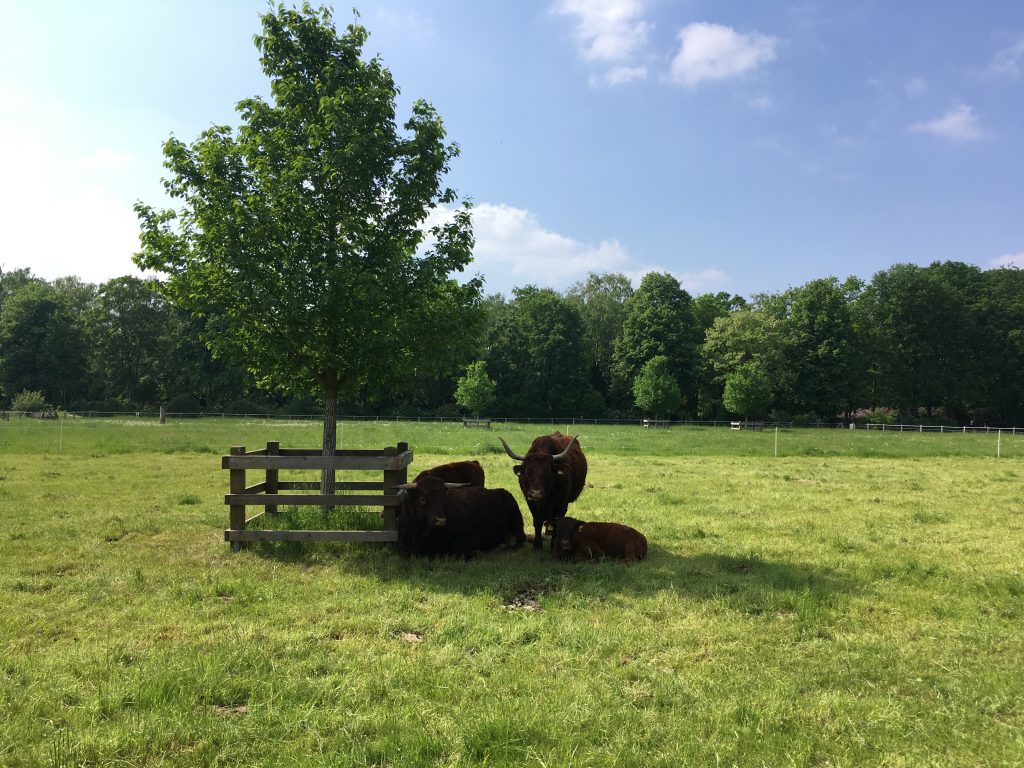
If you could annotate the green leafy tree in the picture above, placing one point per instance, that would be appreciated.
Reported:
(602, 301)
(29, 401)
(707, 308)
(659, 321)
(748, 391)
(15, 279)
(127, 319)
(42, 344)
(655, 389)
(747, 336)
(925, 337)
(822, 347)
(537, 357)
(300, 238)
(475, 390)
(999, 314)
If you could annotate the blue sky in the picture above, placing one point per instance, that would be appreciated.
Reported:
(741, 146)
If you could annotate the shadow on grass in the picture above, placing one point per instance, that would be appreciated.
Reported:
(751, 584)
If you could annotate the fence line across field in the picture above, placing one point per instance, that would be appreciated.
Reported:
(568, 421)
(116, 432)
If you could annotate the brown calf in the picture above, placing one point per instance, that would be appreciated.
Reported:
(578, 540)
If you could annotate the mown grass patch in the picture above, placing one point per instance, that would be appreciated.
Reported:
(806, 610)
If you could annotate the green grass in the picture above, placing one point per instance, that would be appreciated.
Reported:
(99, 437)
(856, 601)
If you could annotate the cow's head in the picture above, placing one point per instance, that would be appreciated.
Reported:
(564, 541)
(538, 470)
(427, 496)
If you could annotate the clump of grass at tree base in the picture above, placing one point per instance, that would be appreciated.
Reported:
(806, 610)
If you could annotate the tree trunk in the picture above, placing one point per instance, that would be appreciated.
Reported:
(330, 443)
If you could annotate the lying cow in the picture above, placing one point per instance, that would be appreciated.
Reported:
(460, 520)
(577, 540)
(411, 528)
(468, 472)
(552, 475)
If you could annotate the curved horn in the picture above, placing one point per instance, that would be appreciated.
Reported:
(508, 450)
(406, 486)
(457, 485)
(562, 455)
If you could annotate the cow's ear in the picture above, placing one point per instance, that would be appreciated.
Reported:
(518, 469)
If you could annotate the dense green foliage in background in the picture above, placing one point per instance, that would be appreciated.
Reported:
(827, 349)
(856, 601)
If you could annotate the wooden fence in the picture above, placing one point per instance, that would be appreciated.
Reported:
(273, 492)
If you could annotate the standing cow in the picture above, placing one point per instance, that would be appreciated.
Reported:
(551, 476)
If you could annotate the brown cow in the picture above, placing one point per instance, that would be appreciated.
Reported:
(468, 472)
(552, 475)
(462, 520)
(577, 540)
(412, 527)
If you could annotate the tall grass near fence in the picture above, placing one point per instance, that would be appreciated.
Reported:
(824, 608)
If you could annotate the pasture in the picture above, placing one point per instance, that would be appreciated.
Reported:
(857, 600)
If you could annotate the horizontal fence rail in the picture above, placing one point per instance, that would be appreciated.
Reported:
(272, 492)
(460, 420)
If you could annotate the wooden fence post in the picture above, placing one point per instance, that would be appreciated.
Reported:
(273, 449)
(393, 477)
(236, 515)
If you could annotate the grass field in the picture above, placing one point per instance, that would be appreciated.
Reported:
(858, 600)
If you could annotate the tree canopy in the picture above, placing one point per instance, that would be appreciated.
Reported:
(475, 390)
(655, 390)
(129, 349)
(301, 238)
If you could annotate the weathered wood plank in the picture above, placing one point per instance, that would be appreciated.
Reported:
(273, 448)
(290, 485)
(293, 535)
(340, 452)
(317, 462)
(297, 499)
(392, 478)
(236, 484)
(258, 488)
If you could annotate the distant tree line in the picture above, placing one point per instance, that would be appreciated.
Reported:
(937, 344)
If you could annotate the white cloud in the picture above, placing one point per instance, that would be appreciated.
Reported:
(959, 124)
(1006, 63)
(710, 280)
(620, 75)
(606, 30)
(1008, 260)
(705, 281)
(514, 249)
(716, 52)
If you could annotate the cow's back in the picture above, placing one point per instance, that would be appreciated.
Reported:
(470, 472)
